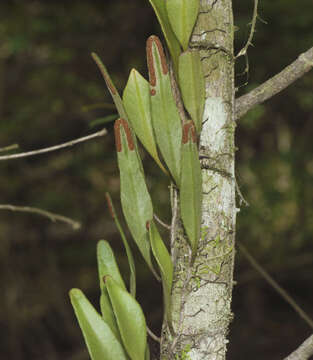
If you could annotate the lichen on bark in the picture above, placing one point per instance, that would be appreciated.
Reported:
(201, 294)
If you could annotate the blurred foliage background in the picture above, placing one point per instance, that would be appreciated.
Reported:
(51, 92)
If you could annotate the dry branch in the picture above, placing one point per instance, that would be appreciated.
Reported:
(304, 351)
(56, 147)
(53, 217)
(9, 148)
(277, 83)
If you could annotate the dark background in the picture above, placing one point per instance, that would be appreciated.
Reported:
(47, 82)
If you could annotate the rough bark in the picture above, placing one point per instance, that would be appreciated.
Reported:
(201, 295)
(304, 351)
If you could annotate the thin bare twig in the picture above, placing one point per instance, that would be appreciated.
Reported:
(277, 83)
(53, 217)
(242, 199)
(9, 148)
(283, 293)
(166, 226)
(153, 336)
(304, 351)
(56, 147)
(243, 51)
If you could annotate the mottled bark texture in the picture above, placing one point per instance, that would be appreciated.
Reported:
(304, 351)
(201, 295)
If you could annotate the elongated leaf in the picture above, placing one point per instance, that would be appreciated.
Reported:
(107, 264)
(182, 15)
(165, 117)
(129, 253)
(100, 340)
(135, 198)
(108, 314)
(130, 320)
(136, 99)
(192, 85)
(191, 186)
(165, 264)
(114, 93)
(103, 120)
(171, 40)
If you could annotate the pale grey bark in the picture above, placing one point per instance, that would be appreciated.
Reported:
(277, 83)
(304, 351)
(202, 292)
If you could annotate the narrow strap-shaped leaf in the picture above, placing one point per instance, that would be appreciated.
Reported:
(192, 85)
(131, 262)
(130, 319)
(100, 340)
(182, 15)
(108, 314)
(191, 186)
(107, 264)
(135, 198)
(165, 117)
(136, 99)
(164, 261)
(171, 40)
(113, 91)
(103, 120)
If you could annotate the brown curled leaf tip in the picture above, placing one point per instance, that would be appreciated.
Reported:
(189, 126)
(117, 134)
(151, 68)
(152, 92)
(148, 225)
(154, 40)
(161, 54)
(109, 205)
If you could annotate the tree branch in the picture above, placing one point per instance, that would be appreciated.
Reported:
(9, 148)
(56, 147)
(277, 83)
(304, 351)
(53, 217)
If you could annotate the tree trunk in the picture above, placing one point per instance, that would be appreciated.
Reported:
(202, 292)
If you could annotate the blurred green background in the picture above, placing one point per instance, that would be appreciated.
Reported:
(48, 82)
